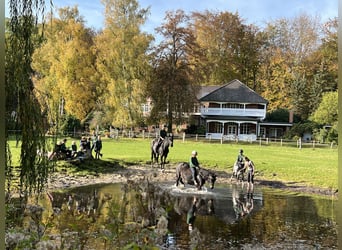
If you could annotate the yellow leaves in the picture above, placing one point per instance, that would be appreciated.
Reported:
(65, 64)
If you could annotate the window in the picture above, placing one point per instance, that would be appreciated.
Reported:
(263, 131)
(244, 128)
(215, 127)
(232, 106)
(231, 130)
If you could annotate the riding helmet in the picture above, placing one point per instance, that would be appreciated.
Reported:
(194, 152)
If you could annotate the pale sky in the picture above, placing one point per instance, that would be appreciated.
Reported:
(252, 11)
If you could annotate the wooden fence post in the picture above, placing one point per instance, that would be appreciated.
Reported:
(183, 136)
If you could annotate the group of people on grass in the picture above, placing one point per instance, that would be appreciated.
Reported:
(87, 145)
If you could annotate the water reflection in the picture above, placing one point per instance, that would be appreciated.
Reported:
(111, 216)
(242, 204)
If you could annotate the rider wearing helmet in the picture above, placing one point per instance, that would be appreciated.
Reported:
(241, 159)
(194, 164)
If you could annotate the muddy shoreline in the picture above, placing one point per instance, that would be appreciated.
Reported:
(60, 180)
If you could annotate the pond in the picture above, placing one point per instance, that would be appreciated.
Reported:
(113, 216)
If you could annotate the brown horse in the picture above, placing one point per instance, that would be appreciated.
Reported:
(183, 175)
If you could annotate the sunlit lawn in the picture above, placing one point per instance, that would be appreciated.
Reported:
(306, 166)
(311, 166)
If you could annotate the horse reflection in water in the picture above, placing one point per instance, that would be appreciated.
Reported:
(242, 205)
(191, 206)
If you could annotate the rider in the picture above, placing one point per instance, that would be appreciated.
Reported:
(240, 160)
(162, 135)
(250, 175)
(194, 165)
(191, 215)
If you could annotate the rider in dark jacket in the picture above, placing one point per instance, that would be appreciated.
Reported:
(194, 165)
(241, 159)
(162, 135)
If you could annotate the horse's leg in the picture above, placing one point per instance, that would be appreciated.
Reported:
(177, 179)
(200, 183)
(164, 162)
(161, 161)
(152, 158)
(182, 180)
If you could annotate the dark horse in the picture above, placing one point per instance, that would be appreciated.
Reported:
(183, 175)
(162, 150)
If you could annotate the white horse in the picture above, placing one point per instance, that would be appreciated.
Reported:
(238, 173)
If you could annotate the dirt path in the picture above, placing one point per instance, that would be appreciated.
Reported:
(137, 172)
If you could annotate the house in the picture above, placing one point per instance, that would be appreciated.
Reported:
(235, 112)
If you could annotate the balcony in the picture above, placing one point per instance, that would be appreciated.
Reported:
(259, 113)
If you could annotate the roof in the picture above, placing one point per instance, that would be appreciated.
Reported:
(234, 91)
(205, 90)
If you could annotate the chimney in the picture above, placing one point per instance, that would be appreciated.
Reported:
(291, 116)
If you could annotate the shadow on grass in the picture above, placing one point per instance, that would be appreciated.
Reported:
(93, 166)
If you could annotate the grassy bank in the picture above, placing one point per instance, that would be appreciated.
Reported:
(307, 166)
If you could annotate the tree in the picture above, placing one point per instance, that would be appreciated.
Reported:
(172, 87)
(327, 111)
(289, 44)
(21, 99)
(230, 48)
(122, 61)
(65, 67)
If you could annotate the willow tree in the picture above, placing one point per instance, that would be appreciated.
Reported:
(21, 102)
(122, 61)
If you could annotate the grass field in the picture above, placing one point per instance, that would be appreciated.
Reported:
(307, 166)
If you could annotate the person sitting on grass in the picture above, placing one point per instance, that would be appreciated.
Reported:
(64, 149)
(73, 149)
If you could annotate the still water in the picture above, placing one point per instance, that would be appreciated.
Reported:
(110, 216)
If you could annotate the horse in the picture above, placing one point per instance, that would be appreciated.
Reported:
(162, 150)
(238, 172)
(183, 175)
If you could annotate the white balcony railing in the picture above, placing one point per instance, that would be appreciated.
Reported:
(231, 137)
(234, 112)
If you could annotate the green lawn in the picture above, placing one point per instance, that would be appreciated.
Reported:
(309, 166)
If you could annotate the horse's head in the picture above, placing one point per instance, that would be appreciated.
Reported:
(209, 176)
(211, 180)
(169, 140)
